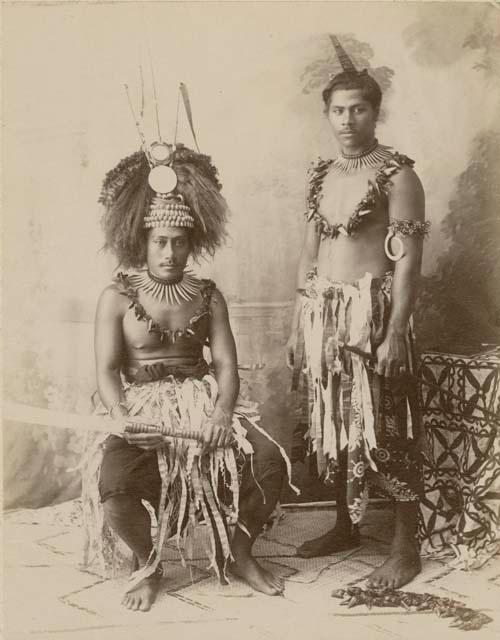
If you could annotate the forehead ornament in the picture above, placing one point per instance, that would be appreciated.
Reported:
(167, 208)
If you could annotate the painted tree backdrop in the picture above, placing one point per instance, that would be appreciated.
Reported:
(255, 73)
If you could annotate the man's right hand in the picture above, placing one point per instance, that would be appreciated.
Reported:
(290, 351)
(145, 441)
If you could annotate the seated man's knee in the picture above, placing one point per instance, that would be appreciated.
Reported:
(120, 505)
(268, 458)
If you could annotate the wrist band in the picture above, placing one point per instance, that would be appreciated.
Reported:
(226, 415)
(118, 403)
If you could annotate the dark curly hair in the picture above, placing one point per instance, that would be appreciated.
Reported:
(354, 80)
(126, 196)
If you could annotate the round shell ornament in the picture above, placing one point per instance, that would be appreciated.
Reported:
(162, 179)
(160, 152)
(391, 237)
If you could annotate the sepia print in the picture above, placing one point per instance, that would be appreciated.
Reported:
(251, 319)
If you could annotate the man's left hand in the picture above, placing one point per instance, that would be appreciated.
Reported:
(391, 356)
(218, 432)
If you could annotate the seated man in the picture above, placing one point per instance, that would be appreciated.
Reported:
(151, 326)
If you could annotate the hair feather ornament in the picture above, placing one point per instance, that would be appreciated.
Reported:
(350, 77)
(345, 61)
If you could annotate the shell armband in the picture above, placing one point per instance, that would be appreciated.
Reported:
(398, 228)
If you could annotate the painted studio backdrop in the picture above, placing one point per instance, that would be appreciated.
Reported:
(255, 72)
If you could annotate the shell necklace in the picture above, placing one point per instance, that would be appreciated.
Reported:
(371, 157)
(173, 293)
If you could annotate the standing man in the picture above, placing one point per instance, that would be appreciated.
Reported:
(357, 279)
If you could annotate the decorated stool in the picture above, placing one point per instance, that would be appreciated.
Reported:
(461, 416)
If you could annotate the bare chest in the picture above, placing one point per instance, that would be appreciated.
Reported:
(150, 323)
(342, 193)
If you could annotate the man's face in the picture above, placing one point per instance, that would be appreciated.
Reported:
(167, 252)
(353, 119)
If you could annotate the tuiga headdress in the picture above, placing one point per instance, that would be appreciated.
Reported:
(161, 185)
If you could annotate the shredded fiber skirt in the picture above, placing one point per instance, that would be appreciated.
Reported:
(182, 486)
(363, 427)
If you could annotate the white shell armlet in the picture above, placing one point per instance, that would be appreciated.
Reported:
(404, 228)
(391, 238)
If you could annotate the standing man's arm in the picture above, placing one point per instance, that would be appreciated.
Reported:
(307, 261)
(406, 202)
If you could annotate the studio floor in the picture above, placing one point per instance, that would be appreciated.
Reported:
(48, 597)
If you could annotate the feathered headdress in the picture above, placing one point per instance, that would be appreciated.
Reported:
(162, 185)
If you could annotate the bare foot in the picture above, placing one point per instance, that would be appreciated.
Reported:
(247, 568)
(142, 596)
(335, 540)
(399, 569)
(275, 581)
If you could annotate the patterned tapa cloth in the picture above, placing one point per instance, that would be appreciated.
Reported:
(191, 483)
(461, 504)
(374, 420)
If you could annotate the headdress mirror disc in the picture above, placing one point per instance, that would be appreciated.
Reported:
(160, 152)
(162, 179)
